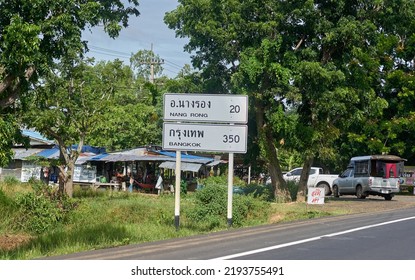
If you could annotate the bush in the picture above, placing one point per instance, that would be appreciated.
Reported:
(211, 207)
(41, 209)
(264, 192)
(11, 180)
(183, 187)
(293, 189)
(5, 201)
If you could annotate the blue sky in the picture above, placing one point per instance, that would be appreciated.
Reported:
(143, 31)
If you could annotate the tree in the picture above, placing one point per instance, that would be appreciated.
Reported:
(66, 107)
(133, 116)
(146, 64)
(323, 59)
(34, 34)
(235, 43)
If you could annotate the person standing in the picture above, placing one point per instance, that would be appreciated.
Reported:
(130, 188)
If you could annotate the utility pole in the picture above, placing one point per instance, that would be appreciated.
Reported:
(152, 62)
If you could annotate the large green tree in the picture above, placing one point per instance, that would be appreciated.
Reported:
(395, 66)
(35, 33)
(67, 106)
(320, 58)
(133, 117)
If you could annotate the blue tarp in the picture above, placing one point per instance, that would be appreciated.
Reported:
(90, 149)
(36, 135)
(49, 153)
(186, 157)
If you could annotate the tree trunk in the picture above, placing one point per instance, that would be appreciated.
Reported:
(62, 177)
(69, 182)
(67, 168)
(302, 184)
(279, 185)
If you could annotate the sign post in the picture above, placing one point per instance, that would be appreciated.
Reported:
(230, 189)
(205, 122)
(177, 189)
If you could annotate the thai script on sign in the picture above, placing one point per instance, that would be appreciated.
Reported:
(316, 196)
(186, 133)
(316, 192)
(190, 104)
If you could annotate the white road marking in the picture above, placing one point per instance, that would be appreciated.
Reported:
(308, 240)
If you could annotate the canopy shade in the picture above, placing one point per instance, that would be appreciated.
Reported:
(185, 166)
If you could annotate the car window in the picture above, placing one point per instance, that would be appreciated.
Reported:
(312, 171)
(297, 172)
(346, 173)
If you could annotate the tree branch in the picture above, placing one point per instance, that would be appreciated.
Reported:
(14, 91)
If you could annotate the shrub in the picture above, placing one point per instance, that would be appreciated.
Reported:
(41, 209)
(221, 180)
(11, 180)
(183, 187)
(211, 207)
(264, 192)
(5, 201)
(293, 189)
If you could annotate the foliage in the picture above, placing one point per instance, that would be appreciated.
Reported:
(260, 191)
(42, 209)
(9, 134)
(146, 64)
(221, 180)
(111, 219)
(345, 69)
(6, 203)
(131, 118)
(293, 188)
(34, 35)
(211, 207)
(10, 180)
(183, 187)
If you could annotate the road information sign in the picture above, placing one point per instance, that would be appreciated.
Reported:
(223, 108)
(205, 122)
(205, 137)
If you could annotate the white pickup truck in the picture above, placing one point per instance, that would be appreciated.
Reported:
(316, 178)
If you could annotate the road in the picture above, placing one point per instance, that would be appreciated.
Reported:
(387, 235)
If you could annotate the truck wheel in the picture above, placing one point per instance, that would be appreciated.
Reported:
(388, 197)
(336, 191)
(326, 187)
(359, 192)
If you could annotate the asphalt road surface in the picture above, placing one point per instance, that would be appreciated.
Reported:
(387, 235)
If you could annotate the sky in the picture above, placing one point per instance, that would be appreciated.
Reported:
(145, 31)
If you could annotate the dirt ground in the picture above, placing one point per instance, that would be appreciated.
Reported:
(370, 204)
(8, 241)
(351, 204)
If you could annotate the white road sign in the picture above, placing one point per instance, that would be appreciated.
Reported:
(223, 108)
(205, 137)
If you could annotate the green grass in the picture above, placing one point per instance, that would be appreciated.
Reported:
(106, 219)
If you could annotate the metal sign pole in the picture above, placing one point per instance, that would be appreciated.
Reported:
(177, 190)
(230, 189)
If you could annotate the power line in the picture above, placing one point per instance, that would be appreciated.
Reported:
(110, 51)
(115, 53)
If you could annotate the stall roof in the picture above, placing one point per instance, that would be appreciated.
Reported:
(128, 157)
(49, 153)
(22, 153)
(215, 162)
(185, 166)
(186, 157)
(36, 136)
